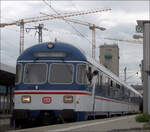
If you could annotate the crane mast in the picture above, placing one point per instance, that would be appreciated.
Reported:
(22, 22)
(91, 27)
(93, 40)
(21, 36)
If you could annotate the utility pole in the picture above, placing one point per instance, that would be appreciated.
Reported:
(40, 27)
(125, 74)
(144, 27)
(93, 40)
(21, 24)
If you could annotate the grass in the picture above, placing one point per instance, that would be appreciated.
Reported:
(142, 117)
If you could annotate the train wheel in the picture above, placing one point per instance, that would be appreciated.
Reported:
(17, 124)
(60, 119)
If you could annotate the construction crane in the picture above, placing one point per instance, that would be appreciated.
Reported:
(128, 41)
(22, 22)
(91, 27)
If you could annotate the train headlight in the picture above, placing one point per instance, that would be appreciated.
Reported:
(50, 45)
(26, 99)
(68, 99)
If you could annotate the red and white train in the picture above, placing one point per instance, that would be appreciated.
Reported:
(52, 83)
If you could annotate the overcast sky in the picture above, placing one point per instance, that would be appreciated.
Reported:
(120, 23)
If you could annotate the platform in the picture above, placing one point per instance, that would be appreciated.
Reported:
(115, 124)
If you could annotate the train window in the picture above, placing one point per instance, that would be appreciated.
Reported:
(61, 74)
(104, 87)
(81, 74)
(3, 89)
(98, 85)
(18, 73)
(117, 86)
(123, 90)
(101, 80)
(111, 83)
(50, 54)
(35, 73)
(126, 94)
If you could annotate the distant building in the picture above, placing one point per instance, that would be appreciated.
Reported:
(109, 57)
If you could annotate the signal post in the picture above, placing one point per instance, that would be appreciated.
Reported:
(144, 27)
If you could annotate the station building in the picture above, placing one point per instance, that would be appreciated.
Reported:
(7, 81)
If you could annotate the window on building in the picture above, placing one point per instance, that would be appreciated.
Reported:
(108, 51)
(3, 89)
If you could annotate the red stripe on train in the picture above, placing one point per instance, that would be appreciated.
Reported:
(80, 93)
(73, 93)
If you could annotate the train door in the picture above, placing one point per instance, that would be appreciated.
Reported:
(92, 76)
(94, 85)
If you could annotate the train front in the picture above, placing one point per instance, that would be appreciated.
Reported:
(49, 84)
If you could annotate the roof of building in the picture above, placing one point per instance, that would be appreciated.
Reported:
(7, 75)
(7, 68)
(109, 46)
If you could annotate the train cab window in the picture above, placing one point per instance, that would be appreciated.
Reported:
(61, 73)
(82, 74)
(104, 85)
(50, 54)
(18, 73)
(35, 73)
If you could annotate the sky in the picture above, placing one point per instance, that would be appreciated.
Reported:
(120, 23)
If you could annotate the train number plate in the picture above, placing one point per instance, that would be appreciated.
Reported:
(46, 100)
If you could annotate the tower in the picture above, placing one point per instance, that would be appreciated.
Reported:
(109, 57)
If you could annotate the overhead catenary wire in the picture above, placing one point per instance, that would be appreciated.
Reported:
(68, 22)
(21, 22)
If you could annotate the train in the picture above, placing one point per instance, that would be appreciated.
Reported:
(54, 82)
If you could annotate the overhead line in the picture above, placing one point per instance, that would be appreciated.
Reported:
(68, 22)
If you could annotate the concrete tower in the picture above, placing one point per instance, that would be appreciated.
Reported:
(109, 57)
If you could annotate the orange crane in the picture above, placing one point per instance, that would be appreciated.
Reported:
(128, 41)
(22, 22)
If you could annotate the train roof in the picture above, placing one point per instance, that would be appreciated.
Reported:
(74, 54)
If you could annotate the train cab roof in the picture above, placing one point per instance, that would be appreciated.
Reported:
(53, 51)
